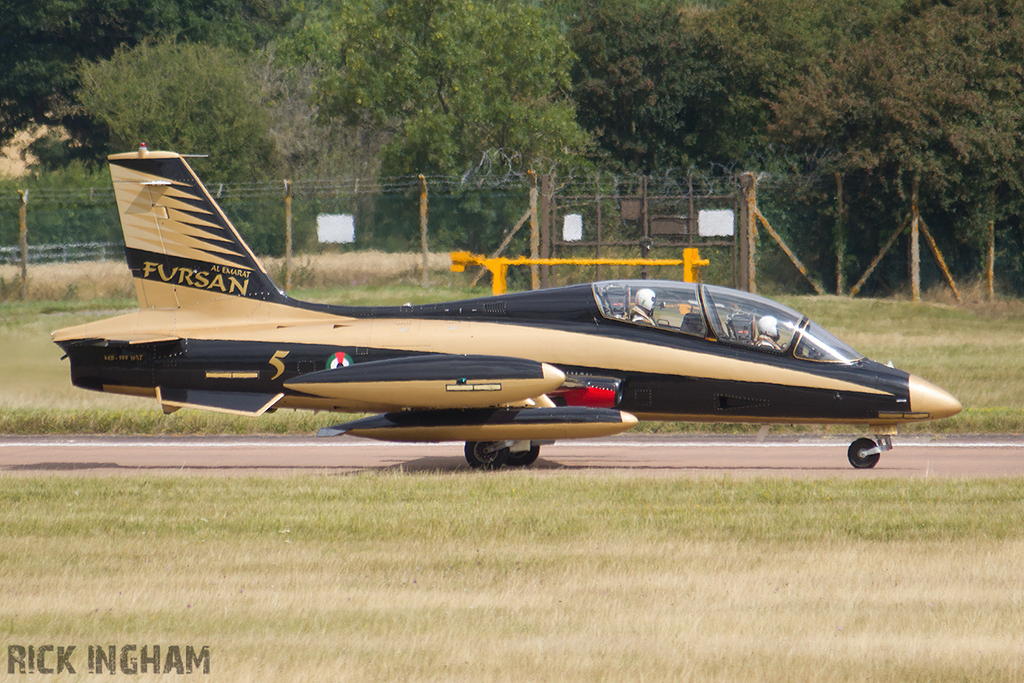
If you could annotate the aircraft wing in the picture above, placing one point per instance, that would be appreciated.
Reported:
(119, 340)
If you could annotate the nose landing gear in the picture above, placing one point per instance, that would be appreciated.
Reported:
(864, 453)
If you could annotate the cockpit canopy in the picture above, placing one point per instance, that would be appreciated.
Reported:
(722, 315)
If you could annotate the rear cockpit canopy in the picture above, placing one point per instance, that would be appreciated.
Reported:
(722, 315)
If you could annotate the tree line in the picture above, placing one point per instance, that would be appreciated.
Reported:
(870, 96)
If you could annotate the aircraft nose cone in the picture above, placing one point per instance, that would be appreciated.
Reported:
(925, 397)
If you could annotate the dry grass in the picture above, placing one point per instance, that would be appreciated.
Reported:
(525, 576)
(83, 281)
(91, 280)
(320, 271)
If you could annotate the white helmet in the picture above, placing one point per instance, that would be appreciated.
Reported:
(768, 326)
(645, 299)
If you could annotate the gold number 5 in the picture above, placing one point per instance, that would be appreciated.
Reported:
(275, 360)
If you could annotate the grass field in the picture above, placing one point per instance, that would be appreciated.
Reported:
(524, 576)
(972, 350)
(521, 575)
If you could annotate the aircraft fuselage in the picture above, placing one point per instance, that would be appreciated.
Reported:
(663, 375)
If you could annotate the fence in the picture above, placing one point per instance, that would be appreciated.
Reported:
(648, 216)
(816, 227)
(64, 253)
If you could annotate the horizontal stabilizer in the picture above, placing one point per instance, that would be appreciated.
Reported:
(434, 381)
(488, 424)
(119, 340)
(234, 402)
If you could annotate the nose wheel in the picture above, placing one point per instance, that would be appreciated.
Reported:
(865, 453)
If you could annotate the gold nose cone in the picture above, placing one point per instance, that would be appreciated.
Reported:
(925, 397)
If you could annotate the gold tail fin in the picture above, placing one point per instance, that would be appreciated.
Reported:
(181, 248)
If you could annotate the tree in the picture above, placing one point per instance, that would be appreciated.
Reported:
(184, 97)
(449, 80)
(312, 146)
(937, 94)
(690, 83)
(763, 47)
(643, 87)
(932, 97)
(41, 42)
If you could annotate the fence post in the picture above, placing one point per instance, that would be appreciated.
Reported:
(939, 260)
(749, 185)
(23, 241)
(423, 227)
(534, 231)
(840, 236)
(645, 227)
(915, 243)
(546, 188)
(990, 262)
(597, 201)
(739, 264)
(287, 236)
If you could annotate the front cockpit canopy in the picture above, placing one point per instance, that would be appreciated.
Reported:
(722, 315)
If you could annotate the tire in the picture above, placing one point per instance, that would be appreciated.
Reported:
(524, 458)
(479, 458)
(857, 455)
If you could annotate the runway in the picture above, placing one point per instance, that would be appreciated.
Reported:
(680, 456)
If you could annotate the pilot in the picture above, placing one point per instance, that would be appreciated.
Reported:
(768, 333)
(643, 310)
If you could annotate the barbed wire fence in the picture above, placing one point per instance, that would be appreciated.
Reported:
(478, 210)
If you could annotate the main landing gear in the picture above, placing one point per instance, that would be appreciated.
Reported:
(493, 455)
(864, 453)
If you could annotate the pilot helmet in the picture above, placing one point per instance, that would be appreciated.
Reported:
(645, 299)
(768, 326)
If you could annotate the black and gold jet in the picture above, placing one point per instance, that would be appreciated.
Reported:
(504, 373)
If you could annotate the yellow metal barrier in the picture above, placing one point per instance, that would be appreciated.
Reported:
(691, 262)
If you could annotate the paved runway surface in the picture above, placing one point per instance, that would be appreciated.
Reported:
(640, 454)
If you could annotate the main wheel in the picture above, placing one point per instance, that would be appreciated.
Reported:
(484, 456)
(859, 454)
(523, 458)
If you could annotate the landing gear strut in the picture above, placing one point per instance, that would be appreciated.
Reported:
(493, 455)
(864, 453)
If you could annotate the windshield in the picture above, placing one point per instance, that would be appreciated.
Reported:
(816, 343)
(735, 317)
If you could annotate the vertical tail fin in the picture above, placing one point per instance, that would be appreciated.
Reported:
(181, 248)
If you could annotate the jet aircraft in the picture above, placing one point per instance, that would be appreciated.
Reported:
(505, 374)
